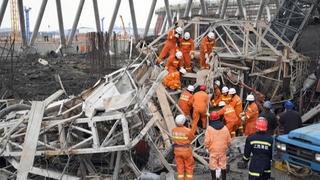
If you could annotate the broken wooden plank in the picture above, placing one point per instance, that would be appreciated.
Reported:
(53, 97)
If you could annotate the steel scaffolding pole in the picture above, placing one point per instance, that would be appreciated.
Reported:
(60, 21)
(188, 8)
(204, 10)
(114, 16)
(241, 10)
(169, 16)
(133, 19)
(3, 10)
(38, 22)
(96, 15)
(146, 29)
(75, 23)
(261, 7)
(22, 23)
(223, 9)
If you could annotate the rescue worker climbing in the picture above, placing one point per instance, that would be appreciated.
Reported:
(250, 116)
(217, 94)
(186, 100)
(225, 95)
(270, 117)
(260, 146)
(217, 140)
(200, 103)
(172, 80)
(182, 138)
(289, 119)
(187, 48)
(206, 47)
(236, 103)
(230, 117)
(170, 44)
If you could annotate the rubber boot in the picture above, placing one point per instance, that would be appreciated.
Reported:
(224, 174)
(213, 174)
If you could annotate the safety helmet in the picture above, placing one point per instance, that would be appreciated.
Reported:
(250, 97)
(178, 54)
(221, 104)
(203, 87)
(217, 82)
(288, 104)
(190, 88)
(180, 119)
(179, 30)
(267, 104)
(261, 124)
(186, 36)
(214, 116)
(225, 89)
(211, 35)
(232, 91)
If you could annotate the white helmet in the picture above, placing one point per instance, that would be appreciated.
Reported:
(178, 54)
(217, 82)
(190, 88)
(221, 104)
(186, 36)
(180, 119)
(232, 91)
(250, 97)
(225, 89)
(179, 30)
(211, 35)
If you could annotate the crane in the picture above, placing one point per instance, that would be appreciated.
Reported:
(125, 34)
(14, 18)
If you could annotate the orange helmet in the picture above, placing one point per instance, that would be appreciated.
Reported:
(261, 124)
(214, 116)
(203, 87)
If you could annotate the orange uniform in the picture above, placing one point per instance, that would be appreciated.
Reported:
(252, 114)
(182, 138)
(236, 103)
(170, 45)
(217, 142)
(200, 103)
(187, 47)
(172, 80)
(217, 97)
(206, 47)
(230, 117)
(173, 64)
(226, 98)
(185, 102)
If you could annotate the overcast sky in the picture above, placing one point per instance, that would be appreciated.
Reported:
(69, 8)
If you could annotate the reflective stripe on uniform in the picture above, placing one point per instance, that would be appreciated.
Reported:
(245, 158)
(260, 142)
(180, 175)
(180, 137)
(254, 174)
(267, 171)
(185, 43)
(184, 97)
(229, 111)
(189, 175)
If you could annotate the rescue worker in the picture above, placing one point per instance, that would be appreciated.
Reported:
(172, 80)
(174, 62)
(206, 47)
(236, 103)
(170, 44)
(270, 117)
(225, 95)
(200, 103)
(230, 117)
(182, 138)
(217, 94)
(260, 146)
(187, 48)
(217, 140)
(250, 116)
(186, 100)
(289, 119)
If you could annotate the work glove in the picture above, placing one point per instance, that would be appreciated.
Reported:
(242, 114)
(191, 55)
(177, 35)
(183, 70)
(206, 55)
(243, 119)
(159, 60)
(242, 165)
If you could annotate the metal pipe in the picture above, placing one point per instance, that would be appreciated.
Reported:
(75, 23)
(3, 10)
(261, 6)
(133, 19)
(240, 8)
(223, 9)
(96, 15)
(114, 16)
(38, 22)
(204, 10)
(169, 16)
(146, 29)
(60, 21)
(188, 8)
(164, 24)
(22, 23)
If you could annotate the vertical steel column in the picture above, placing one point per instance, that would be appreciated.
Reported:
(220, 7)
(114, 16)
(75, 23)
(204, 9)
(3, 10)
(224, 9)
(164, 24)
(188, 8)
(60, 21)
(22, 23)
(96, 15)
(146, 29)
(38, 22)
(169, 16)
(261, 7)
(133, 19)
(241, 10)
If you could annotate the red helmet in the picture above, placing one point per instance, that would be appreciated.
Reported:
(214, 116)
(203, 87)
(261, 124)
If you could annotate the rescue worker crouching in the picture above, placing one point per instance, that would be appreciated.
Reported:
(217, 94)
(217, 141)
(250, 116)
(260, 146)
(182, 138)
(172, 80)
(225, 95)
(206, 47)
(230, 117)
(200, 103)
(187, 48)
(236, 103)
(186, 100)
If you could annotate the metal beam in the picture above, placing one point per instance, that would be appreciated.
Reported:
(204, 9)
(261, 7)
(151, 12)
(169, 16)
(133, 19)
(96, 15)
(60, 21)
(188, 8)
(223, 9)
(3, 10)
(38, 22)
(22, 23)
(240, 7)
(114, 16)
(75, 23)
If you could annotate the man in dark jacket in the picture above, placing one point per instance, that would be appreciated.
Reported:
(289, 119)
(270, 117)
